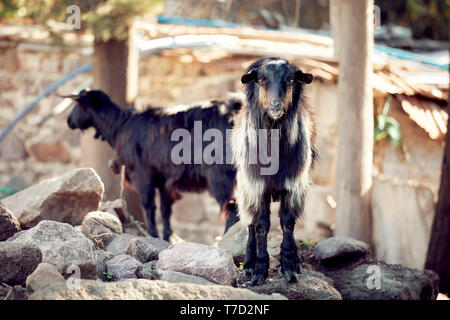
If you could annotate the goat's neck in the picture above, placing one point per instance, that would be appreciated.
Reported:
(108, 121)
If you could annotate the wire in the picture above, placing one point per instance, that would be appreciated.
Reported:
(45, 93)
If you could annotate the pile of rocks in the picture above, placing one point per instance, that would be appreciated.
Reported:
(55, 244)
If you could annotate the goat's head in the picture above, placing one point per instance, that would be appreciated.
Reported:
(275, 83)
(81, 116)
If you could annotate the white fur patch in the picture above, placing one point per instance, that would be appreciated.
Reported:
(293, 134)
(301, 183)
(186, 107)
(277, 62)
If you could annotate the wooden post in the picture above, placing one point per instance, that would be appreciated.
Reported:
(334, 24)
(116, 73)
(355, 120)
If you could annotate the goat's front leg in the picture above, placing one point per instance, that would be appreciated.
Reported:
(261, 225)
(250, 253)
(291, 207)
(147, 194)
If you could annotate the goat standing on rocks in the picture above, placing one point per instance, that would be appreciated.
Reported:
(274, 105)
(144, 145)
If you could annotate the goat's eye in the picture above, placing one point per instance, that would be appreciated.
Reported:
(261, 80)
(290, 79)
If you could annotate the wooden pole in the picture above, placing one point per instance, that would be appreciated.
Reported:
(355, 120)
(116, 73)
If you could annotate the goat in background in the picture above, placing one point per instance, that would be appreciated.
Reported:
(143, 144)
(274, 101)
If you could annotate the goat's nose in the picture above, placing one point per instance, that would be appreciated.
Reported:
(276, 104)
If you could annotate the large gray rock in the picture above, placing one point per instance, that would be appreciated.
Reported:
(178, 277)
(67, 198)
(142, 289)
(44, 275)
(235, 241)
(380, 281)
(340, 248)
(61, 245)
(148, 271)
(123, 266)
(101, 257)
(146, 249)
(17, 261)
(119, 245)
(101, 227)
(143, 249)
(214, 264)
(9, 224)
(312, 285)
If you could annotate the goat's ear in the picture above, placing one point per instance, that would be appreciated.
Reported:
(303, 77)
(252, 75)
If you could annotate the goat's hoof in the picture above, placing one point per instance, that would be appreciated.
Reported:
(290, 276)
(153, 234)
(257, 280)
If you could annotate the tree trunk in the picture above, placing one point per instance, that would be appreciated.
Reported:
(355, 123)
(438, 257)
(115, 73)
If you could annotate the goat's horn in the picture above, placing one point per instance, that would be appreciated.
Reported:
(70, 96)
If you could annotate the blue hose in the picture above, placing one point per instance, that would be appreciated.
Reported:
(45, 93)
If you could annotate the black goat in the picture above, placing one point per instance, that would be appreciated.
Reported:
(274, 104)
(143, 144)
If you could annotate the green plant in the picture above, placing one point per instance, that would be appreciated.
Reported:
(387, 127)
(109, 276)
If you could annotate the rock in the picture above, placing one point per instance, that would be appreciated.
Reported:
(12, 148)
(178, 277)
(148, 271)
(235, 240)
(101, 227)
(211, 263)
(9, 225)
(17, 293)
(67, 198)
(143, 249)
(380, 281)
(123, 266)
(61, 245)
(17, 261)
(312, 285)
(44, 275)
(146, 249)
(340, 249)
(101, 257)
(119, 245)
(118, 207)
(46, 152)
(142, 289)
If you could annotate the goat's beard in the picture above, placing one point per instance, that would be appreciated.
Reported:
(269, 118)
